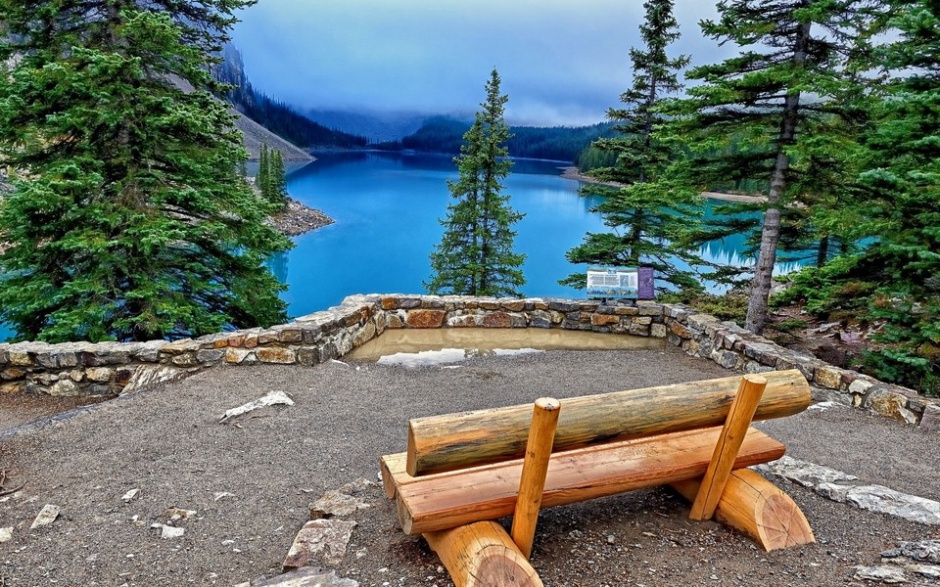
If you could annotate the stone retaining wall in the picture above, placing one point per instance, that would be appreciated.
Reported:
(115, 368)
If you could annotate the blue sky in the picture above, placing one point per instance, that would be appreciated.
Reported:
(561, 62)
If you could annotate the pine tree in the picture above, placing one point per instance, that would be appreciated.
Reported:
(475, 255)
(895, 280)
(263, 178)
(749, 119)
(648, 219)
(129, 219)
(278, 182)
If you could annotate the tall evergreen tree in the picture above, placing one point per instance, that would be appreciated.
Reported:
(264, 171)
(895, 279)
(748, 120)
(648, 221)
(129, 219)
(475, 255)
(278, 182)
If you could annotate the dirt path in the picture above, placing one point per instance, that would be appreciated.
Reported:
(168, 443)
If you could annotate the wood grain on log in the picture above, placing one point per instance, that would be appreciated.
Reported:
(482, 555)
(756, 507)
(447, 500)
(455, 441)
(732, 435)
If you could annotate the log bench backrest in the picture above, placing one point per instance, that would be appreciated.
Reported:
(459, 441)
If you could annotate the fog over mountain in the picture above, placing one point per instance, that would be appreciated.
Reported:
(561, 62)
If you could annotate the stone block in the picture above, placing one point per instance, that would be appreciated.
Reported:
(179, 347)
(13, 373)
(658, 330)
(389, 303)
(514, 305)
(626, 311)
(186, 360)
(20, 359)
(98, 374)
(65, 388)
(319, 542)
(236, 356)
(308, 356)
(426, 318)
(930, 421)
(208, 356)
(679, 330)
(364, 334)
(497, 320)
(828, 376)
(433, 303)
(47, 360)
(291, 335)
(276, 355)
(861, 385)
(650, 309)
(727, 359)
(639, 329)
(409, 303)
(267, 337)
(891, 404)
(604, 319)
(15, 387)
(642, 320)
(562, 306)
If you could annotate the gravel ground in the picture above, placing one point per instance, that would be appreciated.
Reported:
(168, 443)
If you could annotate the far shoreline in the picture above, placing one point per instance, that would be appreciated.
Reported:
(571, 172)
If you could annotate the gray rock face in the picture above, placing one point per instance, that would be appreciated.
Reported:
(891, 575)
(882, 500)
(927, 551)
(336, 503)
(320, 542)
(804, 473)
(831, 484)
(307, 577)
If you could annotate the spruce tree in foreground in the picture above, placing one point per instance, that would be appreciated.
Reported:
(475, 255)
(129, 218)
(894, 281)
(648, 220)
(750, 117)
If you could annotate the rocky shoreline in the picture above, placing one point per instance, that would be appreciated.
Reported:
(298, 218)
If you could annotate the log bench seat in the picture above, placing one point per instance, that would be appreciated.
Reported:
(461, 471)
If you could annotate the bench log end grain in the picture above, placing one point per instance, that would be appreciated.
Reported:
(482, 555)
(756, 507)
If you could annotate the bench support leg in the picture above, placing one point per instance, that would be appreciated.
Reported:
(729, 443)
(756, 507)
(482, 555)
(534, 469)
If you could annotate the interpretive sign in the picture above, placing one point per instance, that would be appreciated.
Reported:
(620, 282)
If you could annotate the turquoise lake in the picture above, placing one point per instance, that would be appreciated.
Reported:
(386, 208)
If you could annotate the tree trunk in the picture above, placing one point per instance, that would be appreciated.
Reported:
(823, 253)
(770, 233)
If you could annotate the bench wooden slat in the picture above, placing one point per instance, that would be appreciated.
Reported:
(457, 441)
(446, 500)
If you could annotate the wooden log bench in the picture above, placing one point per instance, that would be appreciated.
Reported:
(462, 471)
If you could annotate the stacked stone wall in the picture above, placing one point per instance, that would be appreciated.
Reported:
(78, 369)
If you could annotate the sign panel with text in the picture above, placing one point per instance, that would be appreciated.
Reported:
(620, 282)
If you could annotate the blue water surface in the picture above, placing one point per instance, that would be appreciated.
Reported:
(387, 209)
